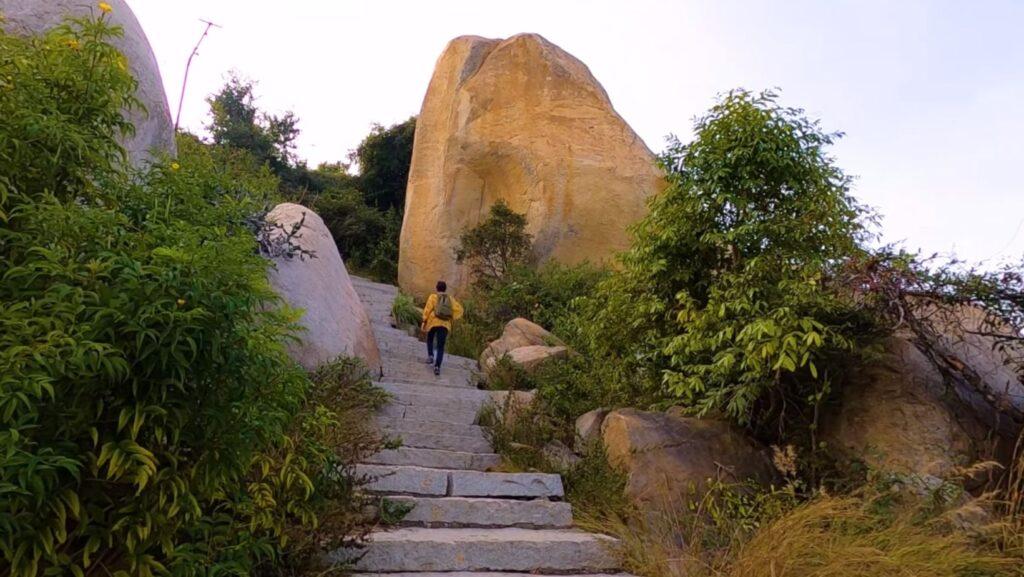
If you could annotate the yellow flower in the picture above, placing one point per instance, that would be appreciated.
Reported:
(181, 302)
(175, 166)
(105, 8)
(73, 44)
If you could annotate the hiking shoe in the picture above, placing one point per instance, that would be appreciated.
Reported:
(437, 371)
(430, 360)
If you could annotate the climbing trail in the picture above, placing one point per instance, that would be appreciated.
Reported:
(463, 519)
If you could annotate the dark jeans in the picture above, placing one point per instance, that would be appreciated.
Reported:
(440, 334)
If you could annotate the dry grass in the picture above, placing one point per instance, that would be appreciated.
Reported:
(864, 535)
(843, 536)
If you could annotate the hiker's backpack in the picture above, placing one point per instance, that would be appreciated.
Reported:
(443, 310)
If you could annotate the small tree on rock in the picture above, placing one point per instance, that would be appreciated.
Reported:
(494, 246)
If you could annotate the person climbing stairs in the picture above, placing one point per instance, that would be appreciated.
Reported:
(462, 517)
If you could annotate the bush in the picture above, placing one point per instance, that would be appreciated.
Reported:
(405, 312)
(722, 301)
(366, 237)
(496, 245)
(147, 405)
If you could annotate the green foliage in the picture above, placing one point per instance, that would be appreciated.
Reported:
(384, 158)
(58, 132)
(722, 302)
(367, 238)
(150, 419)
(236, 122)
(595, 488)
(496, 245)
(405, 312)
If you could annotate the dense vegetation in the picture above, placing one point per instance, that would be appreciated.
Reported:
(363, 211)
(749, 292)
(150, 420)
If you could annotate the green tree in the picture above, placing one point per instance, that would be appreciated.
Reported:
(492, 248)
(723, 298)
(384, 158)
(236, 122)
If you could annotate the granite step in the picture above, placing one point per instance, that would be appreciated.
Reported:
(444, 414)
(516, 485)
(419, 357)
(431, 395)
(413, 427)
(483, 549)
(484, 512)
(461, 443)
(435, 459)
(427, 482)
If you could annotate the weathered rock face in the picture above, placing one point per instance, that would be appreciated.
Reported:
(523, 121)
(518, 333)
(532, 357)
(899, 415)
(335, 320)
(588, 428)
(154, 130)
(669, 459)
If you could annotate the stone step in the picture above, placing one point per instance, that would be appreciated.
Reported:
(361, 282)
(483, 549)
(483, 512)
(399, 359)
(435, 459)
(444, 414)
(431, 395)
(426, 482)
(466, 444)
(449, 378)
(440, 381)
(366, 290)
(414, 427)
(392, 480)
(419, 363)
(524, 485)
(479, 574)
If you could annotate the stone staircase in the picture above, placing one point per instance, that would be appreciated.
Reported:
(463, 520)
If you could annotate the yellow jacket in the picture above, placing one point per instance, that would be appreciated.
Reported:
(430, 321)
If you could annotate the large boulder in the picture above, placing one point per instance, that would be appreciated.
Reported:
(670, 459)
(518, 332)
(334, 318)
(902, 415)
(523, 121)
(526, 343)
(154, 131)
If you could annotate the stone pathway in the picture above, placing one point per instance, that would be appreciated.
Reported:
(463, 520)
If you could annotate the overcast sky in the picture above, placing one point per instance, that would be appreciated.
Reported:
(929, 93)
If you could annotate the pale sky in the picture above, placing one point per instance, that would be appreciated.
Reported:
(929, 93)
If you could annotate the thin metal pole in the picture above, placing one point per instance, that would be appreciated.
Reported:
(184, 82)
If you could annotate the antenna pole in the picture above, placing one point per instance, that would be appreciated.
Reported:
(184, 82)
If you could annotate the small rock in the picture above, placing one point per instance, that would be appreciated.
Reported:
(559, 456)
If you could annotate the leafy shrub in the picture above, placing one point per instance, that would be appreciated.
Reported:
(147, 405)
(384, 158)
(496, 245)
(722, 298)
(405, 312)
(367, 238)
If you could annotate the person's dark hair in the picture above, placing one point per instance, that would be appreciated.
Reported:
(442, 286)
